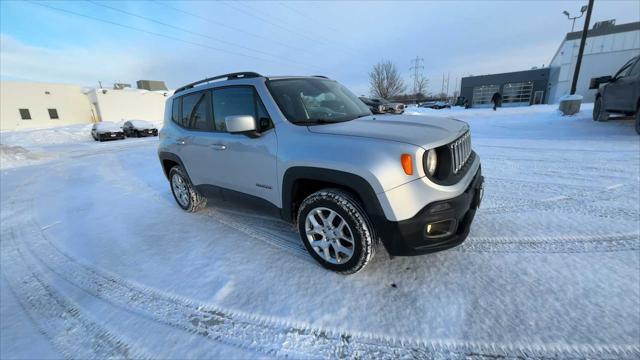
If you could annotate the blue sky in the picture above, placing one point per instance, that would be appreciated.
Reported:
(339, 39)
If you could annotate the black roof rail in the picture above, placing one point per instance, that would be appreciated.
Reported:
(236, 75)
(320, 76)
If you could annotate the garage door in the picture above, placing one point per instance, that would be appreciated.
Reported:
(482, 95)
(517, 94)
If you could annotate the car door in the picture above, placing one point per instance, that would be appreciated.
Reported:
(247, 163)
(619, 93)
(196, 138)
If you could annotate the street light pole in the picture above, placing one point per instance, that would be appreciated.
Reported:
(583, 40)
(573, 24)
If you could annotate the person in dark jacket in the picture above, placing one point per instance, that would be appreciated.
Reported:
(496, 99)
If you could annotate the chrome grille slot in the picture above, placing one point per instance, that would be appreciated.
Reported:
(460, 151)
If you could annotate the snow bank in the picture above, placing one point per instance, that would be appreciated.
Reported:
(50, 136)
(13, 156)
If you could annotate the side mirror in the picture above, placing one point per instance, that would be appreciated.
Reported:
(595, 82)
(241, 123)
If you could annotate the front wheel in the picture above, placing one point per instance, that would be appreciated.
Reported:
(183, 191)
(599, 114)
(336, 231)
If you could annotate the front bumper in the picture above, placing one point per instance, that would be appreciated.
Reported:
(450, 222)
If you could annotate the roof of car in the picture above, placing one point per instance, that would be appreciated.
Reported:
(237, 76)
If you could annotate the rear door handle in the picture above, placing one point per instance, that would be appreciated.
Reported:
(219, 147)
(181, 141)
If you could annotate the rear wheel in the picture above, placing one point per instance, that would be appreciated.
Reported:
(336, 231)
(183, 191)
(599, 114)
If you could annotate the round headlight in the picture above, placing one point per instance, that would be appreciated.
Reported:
(432, 162)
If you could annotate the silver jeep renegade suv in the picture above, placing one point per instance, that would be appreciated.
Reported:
(313, 153)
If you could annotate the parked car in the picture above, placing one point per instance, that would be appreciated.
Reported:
(106, 130)
(435, 105)
(375, 106)
(620, 93)
(346, 178)
(139, 128)
(390, 107)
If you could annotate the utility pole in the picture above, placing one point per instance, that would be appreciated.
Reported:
(442, 90)
(583, 40)
(417, 65)
(448, 78)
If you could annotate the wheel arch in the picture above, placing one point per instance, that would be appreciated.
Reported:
(300, 181)
(169, 160)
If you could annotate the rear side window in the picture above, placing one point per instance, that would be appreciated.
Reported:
(196, 111)
(176, 111)
(238, 100)
(193, 111)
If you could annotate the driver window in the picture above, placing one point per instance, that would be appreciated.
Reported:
(635, 70)
(625, 70)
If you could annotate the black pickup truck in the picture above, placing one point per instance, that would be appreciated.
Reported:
(620, 93)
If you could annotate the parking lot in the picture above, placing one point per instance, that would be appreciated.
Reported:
(550, 268)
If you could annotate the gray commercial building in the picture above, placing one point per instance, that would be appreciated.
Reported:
(517, 88)
(608, 47)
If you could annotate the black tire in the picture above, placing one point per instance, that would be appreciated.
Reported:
(100, 138)
(599, 114)
(345, 205)
(194, 201)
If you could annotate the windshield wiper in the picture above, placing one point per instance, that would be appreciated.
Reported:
(316, 122)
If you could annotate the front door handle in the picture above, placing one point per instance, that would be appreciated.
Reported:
(219, 147)
(181, 141)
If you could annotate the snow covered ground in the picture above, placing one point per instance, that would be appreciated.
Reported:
(98, 260)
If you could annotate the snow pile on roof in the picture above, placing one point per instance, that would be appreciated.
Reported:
(142, 124)
(108, 126)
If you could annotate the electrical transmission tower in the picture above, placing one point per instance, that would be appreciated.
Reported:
(417, 65)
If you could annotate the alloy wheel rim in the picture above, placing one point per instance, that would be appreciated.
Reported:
(180, 190)
(329, 235)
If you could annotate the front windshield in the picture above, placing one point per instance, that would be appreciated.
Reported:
(307, 100)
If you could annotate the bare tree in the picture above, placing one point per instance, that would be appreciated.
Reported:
(422, 83)
(385, 80)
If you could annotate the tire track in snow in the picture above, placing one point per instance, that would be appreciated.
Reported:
(58, 318)
(278, 233)
(552, 244)
(275, 337)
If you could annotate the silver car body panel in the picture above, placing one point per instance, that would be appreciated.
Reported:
(369, 147)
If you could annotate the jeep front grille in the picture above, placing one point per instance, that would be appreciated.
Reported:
(460, 151)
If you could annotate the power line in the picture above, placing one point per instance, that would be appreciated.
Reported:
(265, 20)
(316, 21)
(163, 3)
(191, 32)
(70, 12)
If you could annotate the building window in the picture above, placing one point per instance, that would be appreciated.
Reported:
(24, 114)
(53, 114)
(482, 94)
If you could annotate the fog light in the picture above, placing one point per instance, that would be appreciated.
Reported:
(439, 229)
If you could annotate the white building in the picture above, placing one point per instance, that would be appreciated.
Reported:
(25, 105)
(608, 47)
(127, 103)
(30, 105)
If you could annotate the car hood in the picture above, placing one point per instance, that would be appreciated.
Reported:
(424, 131)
